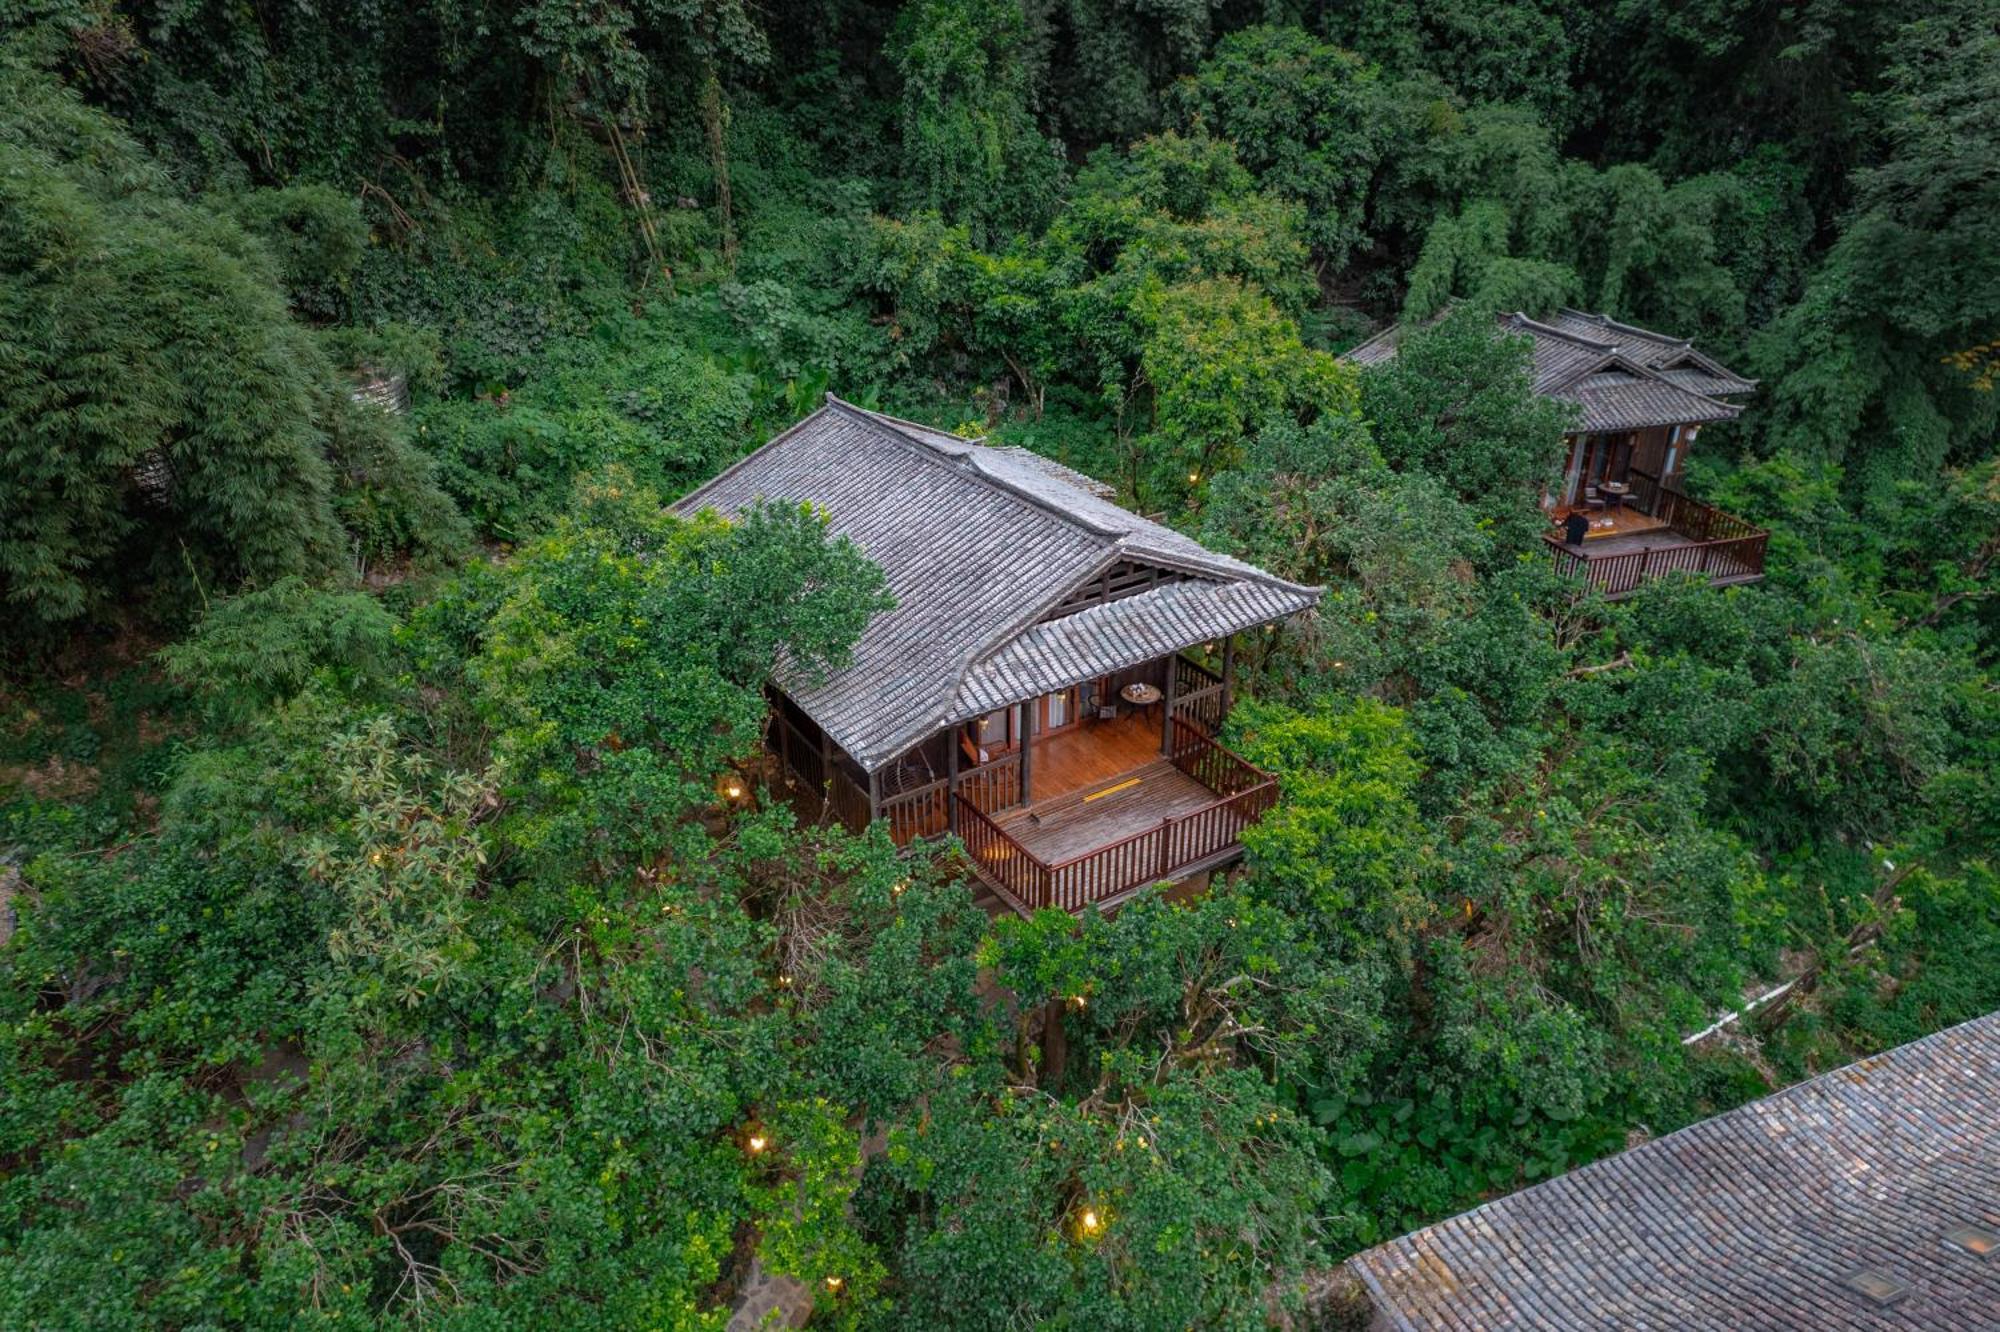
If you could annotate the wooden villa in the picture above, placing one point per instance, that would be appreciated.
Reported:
(1051, 681)
(1619, 512)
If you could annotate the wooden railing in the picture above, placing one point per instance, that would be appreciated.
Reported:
(1014, 867)
(1221, 770)
(1198, 693)
(1158, 853)
(923, 812)
(1689, 516)
(800, 754)
(1244, 793)
(994, 785)
(847, 801)
(1699, 539)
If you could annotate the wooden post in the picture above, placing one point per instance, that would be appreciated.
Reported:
(1027, 750)
(951, 778)
(1167, 703)
(1228, 676)
(874, 796)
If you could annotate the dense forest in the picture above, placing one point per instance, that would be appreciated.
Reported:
(381, 949)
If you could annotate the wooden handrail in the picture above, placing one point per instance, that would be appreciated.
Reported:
(1243, 793)
(1619, 574)
(1082, 856)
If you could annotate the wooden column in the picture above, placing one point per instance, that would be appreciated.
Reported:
(1228, 674)
(1027, 751)
(874, 796)
(951, 778)
(1167, 703)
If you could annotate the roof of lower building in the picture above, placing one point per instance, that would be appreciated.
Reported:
(980, 544)
(1621, 377)
(1860, 1199)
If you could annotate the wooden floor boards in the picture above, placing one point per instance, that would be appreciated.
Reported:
(1092, 752)
(1067, 827)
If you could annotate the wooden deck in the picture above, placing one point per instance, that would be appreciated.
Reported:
(1663, 538)
(1092, 753)
(1111, 810)
(1616, 524)
(1166, 821)
(1680, 535)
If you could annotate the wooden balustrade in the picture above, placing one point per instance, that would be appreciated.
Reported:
(1244, 794)
(1191, 677)
(994, 785)
(1698, 539)
(924, 812)
(1198, 694)
(1014, 867)
(1156, 854)
(847, 801)
(801, 755)
(1221, 770)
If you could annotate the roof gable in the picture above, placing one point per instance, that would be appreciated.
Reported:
(978, 544)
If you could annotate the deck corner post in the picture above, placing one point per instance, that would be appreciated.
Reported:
(1167, 702)
(1228, 679)
(951, 781)
(1027, 752)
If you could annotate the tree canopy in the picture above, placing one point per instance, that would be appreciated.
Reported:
(398, 925)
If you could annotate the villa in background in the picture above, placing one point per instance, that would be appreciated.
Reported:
(1051, 681)
(1642, 398)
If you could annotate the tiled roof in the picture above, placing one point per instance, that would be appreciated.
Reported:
(1655, 351)
(1620, 377)
(1762, 1218)
(978, 543)
(1618, 401)
(1112, 635)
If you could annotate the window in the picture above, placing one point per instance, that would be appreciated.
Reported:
(1061, 708)
(999, 730)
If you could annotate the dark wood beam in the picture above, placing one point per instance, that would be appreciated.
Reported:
(1027, 750)
(951, 778)
(1228, 673)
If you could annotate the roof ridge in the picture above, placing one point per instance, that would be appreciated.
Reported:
(1119, 536)
(1563, 333)
(893, 427)
(1606, 321)
(694, 495)
(1375, 337)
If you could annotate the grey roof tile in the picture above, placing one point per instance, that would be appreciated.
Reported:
(1752, 1219)
(1658, 380)
(977, 543)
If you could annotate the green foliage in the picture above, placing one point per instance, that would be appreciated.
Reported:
(970, 146)
(1861, 359)
(167, 422)
(396, 958)
(667, 414)
(1305, 118)
(263, 647)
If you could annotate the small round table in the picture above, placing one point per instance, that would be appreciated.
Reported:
(1142, 696)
